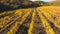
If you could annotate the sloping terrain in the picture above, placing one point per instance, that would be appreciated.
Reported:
(38, 20)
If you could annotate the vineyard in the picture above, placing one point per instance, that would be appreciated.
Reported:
(38, 20)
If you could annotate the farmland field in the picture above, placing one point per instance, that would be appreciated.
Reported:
(38, 20)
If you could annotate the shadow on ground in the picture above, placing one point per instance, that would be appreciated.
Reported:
(7, 8)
